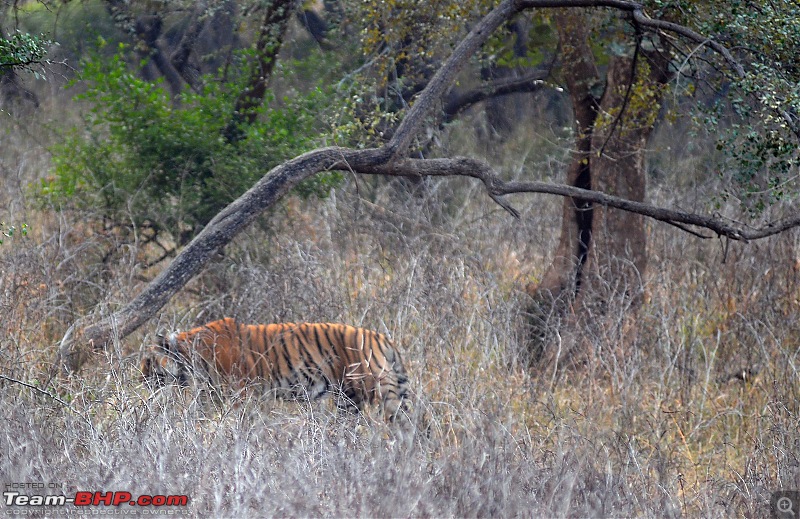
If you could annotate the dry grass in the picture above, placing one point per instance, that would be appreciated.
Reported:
(659, 431)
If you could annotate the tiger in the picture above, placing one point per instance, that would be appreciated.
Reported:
(293, 360)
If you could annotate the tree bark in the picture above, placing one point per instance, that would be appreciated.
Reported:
(561, 280)
(618, 168)
(601, 257)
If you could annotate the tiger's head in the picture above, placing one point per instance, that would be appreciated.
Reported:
(165, 363)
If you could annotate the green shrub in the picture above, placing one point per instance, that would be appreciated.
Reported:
(145, 160)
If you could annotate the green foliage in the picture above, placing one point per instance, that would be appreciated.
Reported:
(762, 140)
(146, 160)
(77, 25)
(8, 231)
(23, 50)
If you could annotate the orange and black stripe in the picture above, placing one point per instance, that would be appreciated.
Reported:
(303, 360)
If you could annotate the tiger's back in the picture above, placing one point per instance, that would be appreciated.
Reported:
(304, 360)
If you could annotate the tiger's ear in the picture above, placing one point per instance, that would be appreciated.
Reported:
(167, 341)
(161, 339)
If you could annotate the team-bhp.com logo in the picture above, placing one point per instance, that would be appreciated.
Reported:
(20, 498)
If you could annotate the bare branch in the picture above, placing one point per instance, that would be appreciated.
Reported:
(637, 11)
(443, 78)
(671, 216)
(220, 231)
(639, 17)
(511, 85)
(496, 187)
(622, 5)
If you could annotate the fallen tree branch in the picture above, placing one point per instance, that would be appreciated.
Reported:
(243, 211)
(219, 232)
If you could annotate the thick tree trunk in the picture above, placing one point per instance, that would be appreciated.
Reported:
(559, 285)
(617, 256)
(596, 277)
